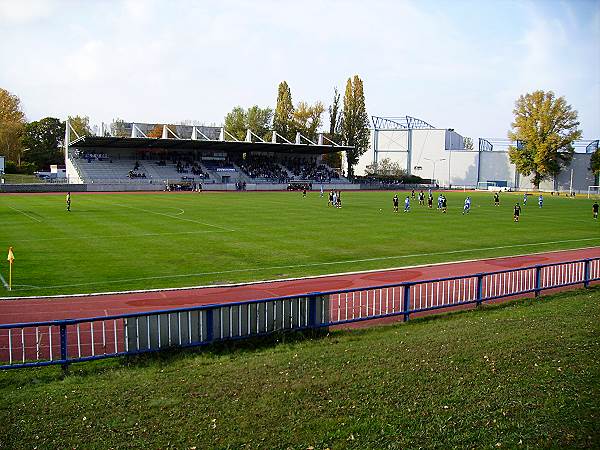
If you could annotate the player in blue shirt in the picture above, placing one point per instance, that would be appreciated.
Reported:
(541, 200)
(407, 204)
(525, 199)
(467, 206)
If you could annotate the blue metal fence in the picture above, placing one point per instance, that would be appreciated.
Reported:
(67, 341)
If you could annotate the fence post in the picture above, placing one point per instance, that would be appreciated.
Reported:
(63, 346)
(538, 280)
(209, 325)
(479, 289)
(586, 273)
(312, 311)
(406, 308)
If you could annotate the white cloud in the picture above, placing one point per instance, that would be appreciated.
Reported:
(24, 11)
(166, 61)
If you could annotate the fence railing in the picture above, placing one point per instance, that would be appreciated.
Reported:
(67, 341)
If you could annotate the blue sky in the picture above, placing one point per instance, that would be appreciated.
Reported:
(458, 64)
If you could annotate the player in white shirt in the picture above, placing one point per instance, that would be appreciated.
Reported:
(467, 206)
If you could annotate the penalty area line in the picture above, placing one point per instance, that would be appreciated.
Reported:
(293, 266)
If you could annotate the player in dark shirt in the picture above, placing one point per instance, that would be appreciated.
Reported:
(595, 210)
(395, 200)
(421, 198)
(517, 212)
(444, 204)
(430, 200)
(496, 199)
(68, 201)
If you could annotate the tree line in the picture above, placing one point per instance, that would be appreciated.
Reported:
(348, 121)
(30, 146)
(544, 129)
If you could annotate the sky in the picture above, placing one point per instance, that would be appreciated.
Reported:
(456, 64)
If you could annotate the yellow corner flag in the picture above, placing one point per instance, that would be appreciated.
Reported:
(11, 260)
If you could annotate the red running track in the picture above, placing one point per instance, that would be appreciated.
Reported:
(42, 309)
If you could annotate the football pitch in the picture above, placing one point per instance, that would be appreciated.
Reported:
(114, 242)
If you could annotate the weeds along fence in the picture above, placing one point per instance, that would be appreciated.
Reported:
(67, 341)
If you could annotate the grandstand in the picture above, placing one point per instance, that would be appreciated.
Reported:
(188, 155)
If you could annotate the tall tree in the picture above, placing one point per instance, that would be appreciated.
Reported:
(544, 129)
(595, 162)
(335, 118)
(335, 130)
(12, 120)
(10, 141)
(81, 125)
(257, 119)
(43, 140)
(356, 122)
(235, 123)
(283, 118)
(307, 119)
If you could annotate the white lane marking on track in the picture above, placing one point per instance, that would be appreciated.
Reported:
(293, 266)
(23, 212)
(68, 238)
(173, 216)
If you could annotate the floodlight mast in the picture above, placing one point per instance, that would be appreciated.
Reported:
(434, 161)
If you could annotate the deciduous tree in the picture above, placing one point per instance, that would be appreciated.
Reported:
(335, 130)
(385, 168)
(81, 125)
(544, 129)
(307, 119)
(257, 119)
(12, 120)
(356, 122)
(595, 162)
(283, 119)
(43, 140)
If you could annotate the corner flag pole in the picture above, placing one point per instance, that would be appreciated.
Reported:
(10, 259)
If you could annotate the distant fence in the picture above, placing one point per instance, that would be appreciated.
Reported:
(67, 341)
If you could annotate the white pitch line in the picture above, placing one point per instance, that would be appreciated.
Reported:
(173, 216)
(75, 238)
(294, 266)
(3, 281)
(23, 212)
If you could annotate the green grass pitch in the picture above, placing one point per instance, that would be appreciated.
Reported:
(119, 242)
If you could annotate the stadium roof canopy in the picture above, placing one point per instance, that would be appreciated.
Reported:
(145, 143)
(134, 136)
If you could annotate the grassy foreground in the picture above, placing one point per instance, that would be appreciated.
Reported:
(522, 375)
(126, 241)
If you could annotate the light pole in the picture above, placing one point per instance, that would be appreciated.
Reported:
(434, 161)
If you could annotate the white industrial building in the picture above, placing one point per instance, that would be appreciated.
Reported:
(439, 154)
